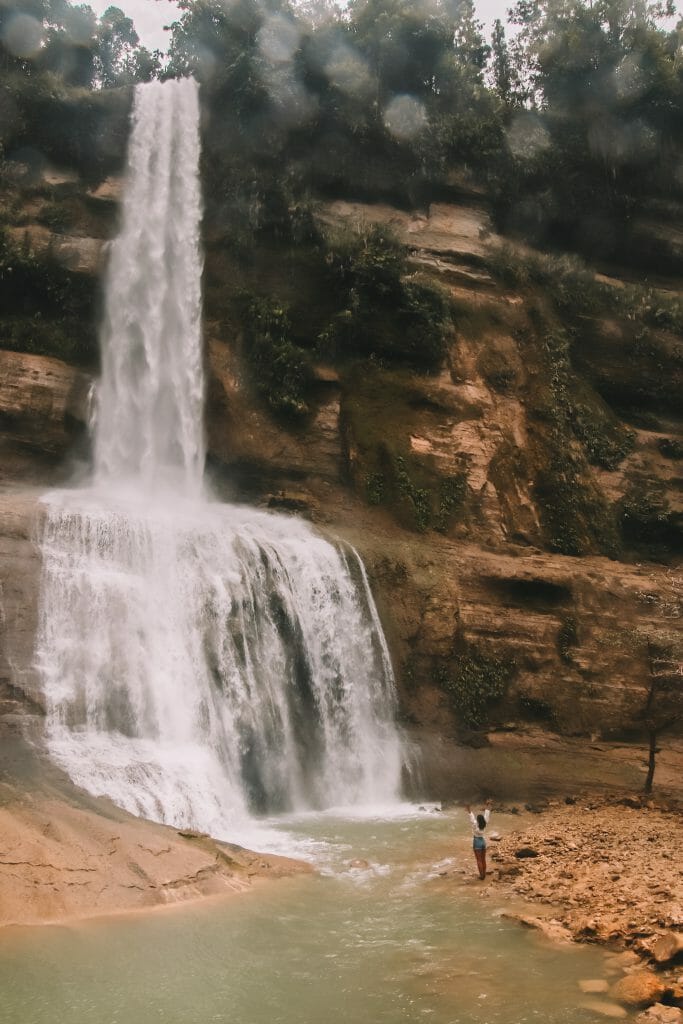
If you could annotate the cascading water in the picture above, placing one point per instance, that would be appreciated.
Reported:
(202, 663)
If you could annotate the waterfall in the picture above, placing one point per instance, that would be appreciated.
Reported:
(202, 664)
(149, 407)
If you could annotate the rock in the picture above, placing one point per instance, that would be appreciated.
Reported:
(604, 1009)
(623, 961)
(667, 947)
(586, 926)
(660, 1014)
(525, 851)
(551, 929)
(589, 985)
(42, 401)
(359, 863)
(638, 989)
(81, 255)
(675, 993)
(508, 870)
(110, 190)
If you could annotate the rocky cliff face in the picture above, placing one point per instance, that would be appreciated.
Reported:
(519, 511)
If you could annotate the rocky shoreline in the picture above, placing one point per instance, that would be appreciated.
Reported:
(604, 869)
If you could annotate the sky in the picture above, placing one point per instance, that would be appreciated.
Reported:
(150, 16)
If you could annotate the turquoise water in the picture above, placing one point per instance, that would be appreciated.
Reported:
(396, 940)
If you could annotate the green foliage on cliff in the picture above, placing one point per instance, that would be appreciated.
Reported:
(46, 309)
(474, 681)
(381, 314)
(280, 369)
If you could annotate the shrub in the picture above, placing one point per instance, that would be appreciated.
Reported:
(380, 314)
(279, 368)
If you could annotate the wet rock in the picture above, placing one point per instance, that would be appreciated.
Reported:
(604, 1009)
(359, 863)
(551, 929)
(622, 961)
(638, 989)
(592, 985)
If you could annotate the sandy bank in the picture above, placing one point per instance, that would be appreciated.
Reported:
(59, 861)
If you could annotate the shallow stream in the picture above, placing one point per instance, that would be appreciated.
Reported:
(396, 940)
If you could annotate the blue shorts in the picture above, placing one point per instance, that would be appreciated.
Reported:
(478, 843)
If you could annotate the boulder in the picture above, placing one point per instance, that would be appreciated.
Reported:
(642, 988)
(525, 851)
(667, 947)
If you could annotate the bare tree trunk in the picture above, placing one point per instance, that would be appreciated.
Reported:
(651, 761)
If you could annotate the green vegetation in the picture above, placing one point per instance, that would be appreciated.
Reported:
(47, 310)
(381, 315)
(474, 681)
(280, 369)
(573, 126)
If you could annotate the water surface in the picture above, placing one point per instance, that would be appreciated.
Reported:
(408, 937)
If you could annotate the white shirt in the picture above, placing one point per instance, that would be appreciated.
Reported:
(476, 831)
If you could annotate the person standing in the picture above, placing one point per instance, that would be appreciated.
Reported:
(479, 823)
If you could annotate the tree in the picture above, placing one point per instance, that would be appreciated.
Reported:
(663, 706)
(659, 646)
(501, 65)
(119, 58)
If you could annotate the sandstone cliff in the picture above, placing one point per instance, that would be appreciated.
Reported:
(520, 555)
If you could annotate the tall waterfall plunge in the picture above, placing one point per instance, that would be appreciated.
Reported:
(202, 663)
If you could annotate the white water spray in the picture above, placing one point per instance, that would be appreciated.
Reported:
(201, 663)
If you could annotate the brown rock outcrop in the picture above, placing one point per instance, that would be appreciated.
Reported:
(79, 254)
(43, 401)
(642, 988)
